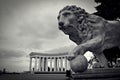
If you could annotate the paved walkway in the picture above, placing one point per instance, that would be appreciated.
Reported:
(33, 77)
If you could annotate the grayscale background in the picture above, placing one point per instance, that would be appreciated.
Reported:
(31, 26)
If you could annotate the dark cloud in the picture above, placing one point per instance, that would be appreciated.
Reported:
(27, 25)
(5, 53)
(14, 64)
(39, 31)
(13, 60)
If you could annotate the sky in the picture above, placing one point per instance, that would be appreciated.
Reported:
(31, 26)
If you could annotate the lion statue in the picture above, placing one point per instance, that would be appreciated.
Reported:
(90, 32)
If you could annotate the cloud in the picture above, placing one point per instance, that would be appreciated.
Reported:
(11, 53)
(39, 30)
(62, 49)
(35, 45)
(31, 25)
(13, 60)
(15, 64)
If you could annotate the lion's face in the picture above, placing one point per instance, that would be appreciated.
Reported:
(67, 22)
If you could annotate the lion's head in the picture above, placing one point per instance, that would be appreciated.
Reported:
(72, 19)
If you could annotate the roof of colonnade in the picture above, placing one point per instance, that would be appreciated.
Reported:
(47, 54)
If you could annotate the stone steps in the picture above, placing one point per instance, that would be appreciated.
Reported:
(101, 73)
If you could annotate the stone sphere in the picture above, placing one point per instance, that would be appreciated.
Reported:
(79, 64)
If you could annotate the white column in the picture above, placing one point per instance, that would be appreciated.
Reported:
(39, 63)
(50, 63)
(68, 65)
(58, 64)
(42, 63)
(55, 64)
(35, 63)
(30, 66)
(46, 63)
(65, 63)
(61, 64)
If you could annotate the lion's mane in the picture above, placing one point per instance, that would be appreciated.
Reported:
(84, 30)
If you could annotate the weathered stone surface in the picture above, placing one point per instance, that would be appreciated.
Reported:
(79, 64)
(89, 32)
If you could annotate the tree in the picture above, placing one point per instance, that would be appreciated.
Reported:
(108, 9)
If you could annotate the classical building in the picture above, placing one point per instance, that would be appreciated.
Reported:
(47, 62)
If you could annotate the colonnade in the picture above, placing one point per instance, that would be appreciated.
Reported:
(51, 63)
